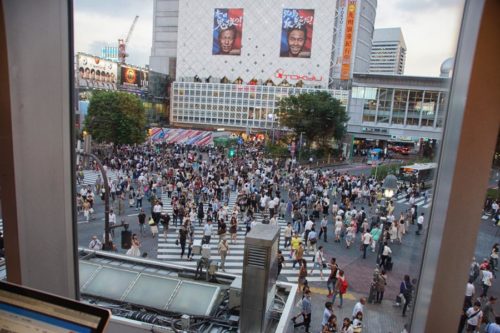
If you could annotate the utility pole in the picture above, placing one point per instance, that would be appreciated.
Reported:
(86, 153)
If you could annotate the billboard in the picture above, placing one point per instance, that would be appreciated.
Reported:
(345, 70)
(130, 77)
(227, 31)
(296, 33)
(95, 72)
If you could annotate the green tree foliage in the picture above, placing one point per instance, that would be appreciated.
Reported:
(318, 115)
(116, 117)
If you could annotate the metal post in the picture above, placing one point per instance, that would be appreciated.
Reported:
(107, 245)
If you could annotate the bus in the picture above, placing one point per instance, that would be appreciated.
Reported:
(418, 173)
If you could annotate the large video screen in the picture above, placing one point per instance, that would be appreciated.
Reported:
(130, 77)
(227, 31)
(296, 33)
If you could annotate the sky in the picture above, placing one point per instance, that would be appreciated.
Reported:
(430, 28)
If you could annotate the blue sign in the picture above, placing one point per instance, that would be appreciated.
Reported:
(240, 141)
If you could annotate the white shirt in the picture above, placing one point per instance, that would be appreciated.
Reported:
(470, 289)
(157, 208)
(309, 225)
(357, 308)
(487, 276)
(367, 238)
(208, 229)
(112, 218)
(387, 251)
(420, 220)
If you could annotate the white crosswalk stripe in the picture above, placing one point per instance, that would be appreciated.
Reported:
(420, 201)
(1, 226)
(167, 250)
(90, 176)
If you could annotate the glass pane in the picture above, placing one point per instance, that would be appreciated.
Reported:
(110, 283)
(183, 300)
(86, 271)
(152, 291)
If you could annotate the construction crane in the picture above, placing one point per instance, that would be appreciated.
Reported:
(122, 44)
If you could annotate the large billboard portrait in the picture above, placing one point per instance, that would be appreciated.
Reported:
(296, 33)
(96, 73)
(227, 31)
(130, 77)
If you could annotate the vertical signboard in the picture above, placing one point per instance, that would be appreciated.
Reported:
(348, 38)
(339, 37)
(296, 33)
(227, 31)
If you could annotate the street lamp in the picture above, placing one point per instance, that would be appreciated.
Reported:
(390, 186)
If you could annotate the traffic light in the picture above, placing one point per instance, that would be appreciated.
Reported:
(231, 152)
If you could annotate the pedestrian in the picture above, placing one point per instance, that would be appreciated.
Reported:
(366, 240)
(312, 240)
(323, 228)
(288, 235)
(489, 310)
(142, 220)
(207, 232)
(331, 325)
(420, 223)
(340, 288)
(474, 317)
(384, 258)
(327, 313)
(95, 244)
(380, 286)
(405, 290)
(302, 273)
(298, 255)
(486, 280)
(470, 290)
(223, 250)
(338, 228)
(359, 307)
(347, 326)
(305, 313)
(357, 322)
(182, 238)
(281, 262)
(376, 232)
(332, 278)
(135, 245)
(153, 227)
(112, 222)
(319, 261)
(233, 229)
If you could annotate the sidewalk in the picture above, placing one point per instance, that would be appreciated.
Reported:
(378, 318)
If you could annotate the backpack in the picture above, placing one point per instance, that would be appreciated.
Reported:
(343, 286)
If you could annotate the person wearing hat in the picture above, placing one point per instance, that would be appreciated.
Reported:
(95, 244)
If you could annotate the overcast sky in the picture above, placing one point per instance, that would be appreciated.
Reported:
(430, 28)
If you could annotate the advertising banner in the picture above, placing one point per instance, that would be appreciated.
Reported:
(95, 72)
(349, 31)
(144, 79)
(130, 77)
(296, 33)
(339, 37)
(227, 31)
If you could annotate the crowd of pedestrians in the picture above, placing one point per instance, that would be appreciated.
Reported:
(319, 206)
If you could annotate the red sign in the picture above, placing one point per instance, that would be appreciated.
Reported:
(349, 29)
(281, 74)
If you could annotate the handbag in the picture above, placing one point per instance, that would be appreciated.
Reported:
(176, 242)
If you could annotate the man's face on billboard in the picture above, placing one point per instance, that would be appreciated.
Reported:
(226, 40)
(296, 41)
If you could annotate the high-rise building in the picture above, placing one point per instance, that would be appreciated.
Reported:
(388, 53)
(232, 63)
(109, 53)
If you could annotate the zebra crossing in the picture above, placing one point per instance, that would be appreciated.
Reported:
(169, 251)
(90, 176)
(420, 201)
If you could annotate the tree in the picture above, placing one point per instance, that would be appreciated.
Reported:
(317, 115)
(116, 117)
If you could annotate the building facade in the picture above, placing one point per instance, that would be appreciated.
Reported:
(392, 108)
(250, 108)
(388, 54)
